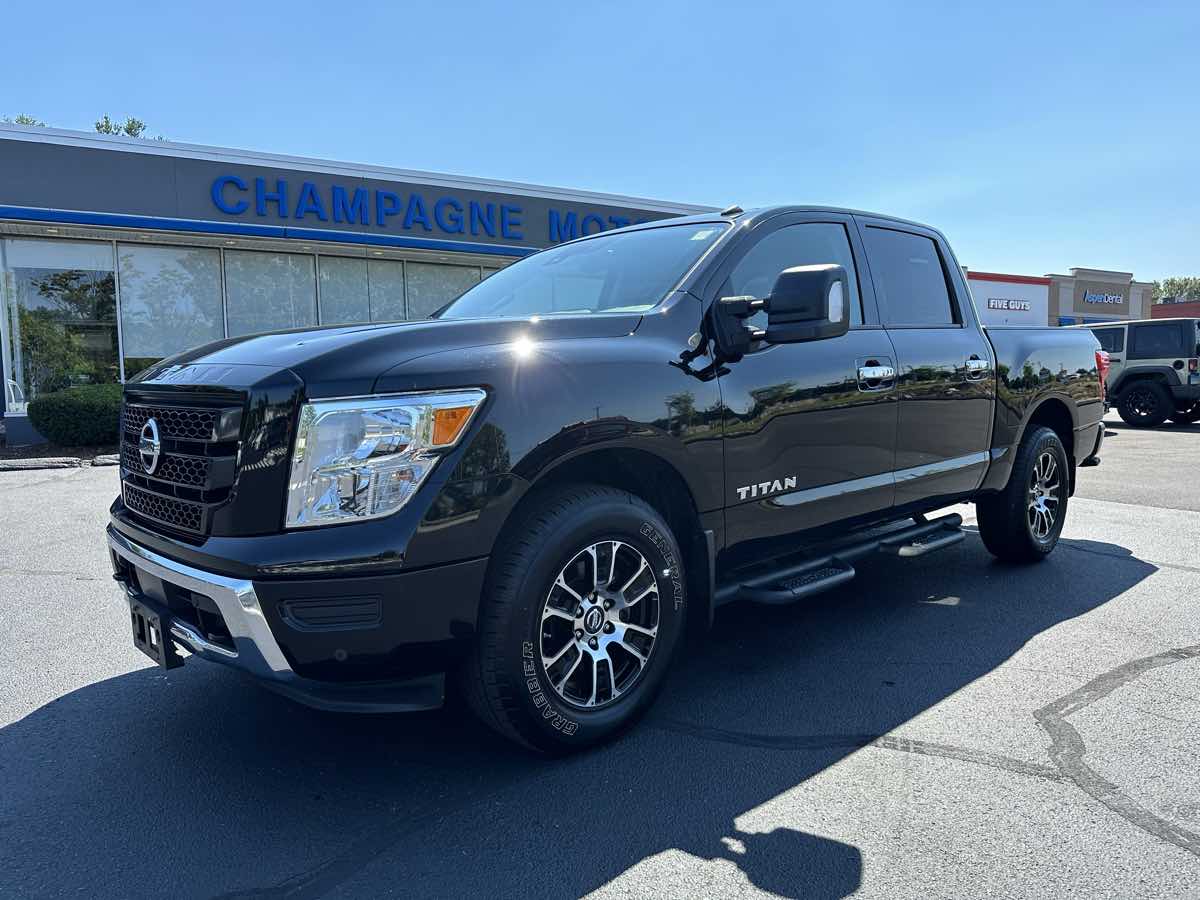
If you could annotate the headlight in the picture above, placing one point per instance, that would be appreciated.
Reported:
(364, 458)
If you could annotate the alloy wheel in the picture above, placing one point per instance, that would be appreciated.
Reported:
(1044, 496)
(599, 624)
(1142, 402)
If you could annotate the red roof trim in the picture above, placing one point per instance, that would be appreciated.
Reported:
(1010, 279)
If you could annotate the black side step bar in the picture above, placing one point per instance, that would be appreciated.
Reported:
(788, 583)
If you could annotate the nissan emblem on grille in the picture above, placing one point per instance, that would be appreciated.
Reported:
(149, 446)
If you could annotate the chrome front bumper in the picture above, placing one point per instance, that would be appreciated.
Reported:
(255, 649)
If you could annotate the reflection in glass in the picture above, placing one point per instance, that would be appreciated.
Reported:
(269, 291)
(170, 301)
(432, 286)
(343, 290)
(61, 315)
(386, 277)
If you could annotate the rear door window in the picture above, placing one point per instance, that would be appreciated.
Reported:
(1111, 339)
(1157, 341)
(909, 278)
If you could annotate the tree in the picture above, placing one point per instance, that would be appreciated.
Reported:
(130, 128)
(1181, 287)
(23, 119)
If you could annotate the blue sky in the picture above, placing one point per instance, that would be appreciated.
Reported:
(1038, 137)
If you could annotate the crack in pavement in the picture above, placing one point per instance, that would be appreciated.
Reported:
(1067, 747)
(1123, 558)
(857, 742)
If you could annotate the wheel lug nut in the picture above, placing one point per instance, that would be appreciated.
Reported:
(578, 635)
(608, 604)
(609, 627)
(579, 610)
(593, 643)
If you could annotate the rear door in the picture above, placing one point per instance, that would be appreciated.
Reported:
(810, 428)
(946, 366)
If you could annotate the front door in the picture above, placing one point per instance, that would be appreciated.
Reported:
(810, 428)
(946, 366)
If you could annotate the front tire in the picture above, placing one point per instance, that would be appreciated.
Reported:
(581, 615)
(1145, 404)
(1022, 523)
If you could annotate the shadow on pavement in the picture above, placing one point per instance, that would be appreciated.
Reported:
(198, 783)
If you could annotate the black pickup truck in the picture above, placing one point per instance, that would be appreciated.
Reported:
(534, 492)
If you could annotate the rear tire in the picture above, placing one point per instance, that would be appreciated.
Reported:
(587, 582)
(1145, 404)
(1022, 523)
(1187, 416)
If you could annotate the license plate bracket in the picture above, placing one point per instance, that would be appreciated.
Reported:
(152, 633)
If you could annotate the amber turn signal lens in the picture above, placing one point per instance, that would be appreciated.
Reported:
(448, 422)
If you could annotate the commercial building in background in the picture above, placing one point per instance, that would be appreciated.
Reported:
(1175, 309)
(1010, 299)
(1082, 297)
(1097, 295)
(116, 252)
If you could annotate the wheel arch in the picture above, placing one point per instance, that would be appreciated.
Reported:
(660, 484)
(1164, 375)
(1054, 413)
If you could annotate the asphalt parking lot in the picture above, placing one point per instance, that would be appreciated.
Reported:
(949, 727)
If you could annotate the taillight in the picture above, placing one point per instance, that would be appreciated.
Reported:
(1102, 366)
(1193, 365)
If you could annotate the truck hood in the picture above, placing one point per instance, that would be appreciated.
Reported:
(346, 360)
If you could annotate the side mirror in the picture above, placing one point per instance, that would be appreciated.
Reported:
(808, 303)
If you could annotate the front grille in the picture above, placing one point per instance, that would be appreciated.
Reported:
(173, 421)
(189, 470)
(196, 465)
(167, 510)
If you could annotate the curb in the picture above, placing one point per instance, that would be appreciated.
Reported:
(47, 462)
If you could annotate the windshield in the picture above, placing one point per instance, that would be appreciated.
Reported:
(627, 272)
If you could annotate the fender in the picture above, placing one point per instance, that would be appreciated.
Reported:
(1141, 373)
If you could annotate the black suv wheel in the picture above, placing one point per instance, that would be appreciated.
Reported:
(1145, 404)
(581, 615)
(1022, 522)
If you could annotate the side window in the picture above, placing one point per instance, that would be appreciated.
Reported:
(807, 244)
(1155, 341)
(1111, 339)
(909, 278)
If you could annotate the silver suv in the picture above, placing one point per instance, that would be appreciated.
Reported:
(1154, 369)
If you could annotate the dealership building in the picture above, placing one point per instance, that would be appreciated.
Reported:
(116, 252)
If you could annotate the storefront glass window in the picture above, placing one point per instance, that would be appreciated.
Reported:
(344, 290)
(170, 301)
(432, 286)
(269, 291)
(387, 291)
(60, 320)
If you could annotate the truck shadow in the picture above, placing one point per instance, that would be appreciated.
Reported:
(197, 783)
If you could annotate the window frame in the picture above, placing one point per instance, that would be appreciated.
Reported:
(741, 244)
(1119, 331)
(962, 311)
(1180, 343)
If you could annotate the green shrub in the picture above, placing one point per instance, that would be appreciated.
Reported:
(86, 415)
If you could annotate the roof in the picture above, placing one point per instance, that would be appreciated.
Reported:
(1008, 279)
(121, 144)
